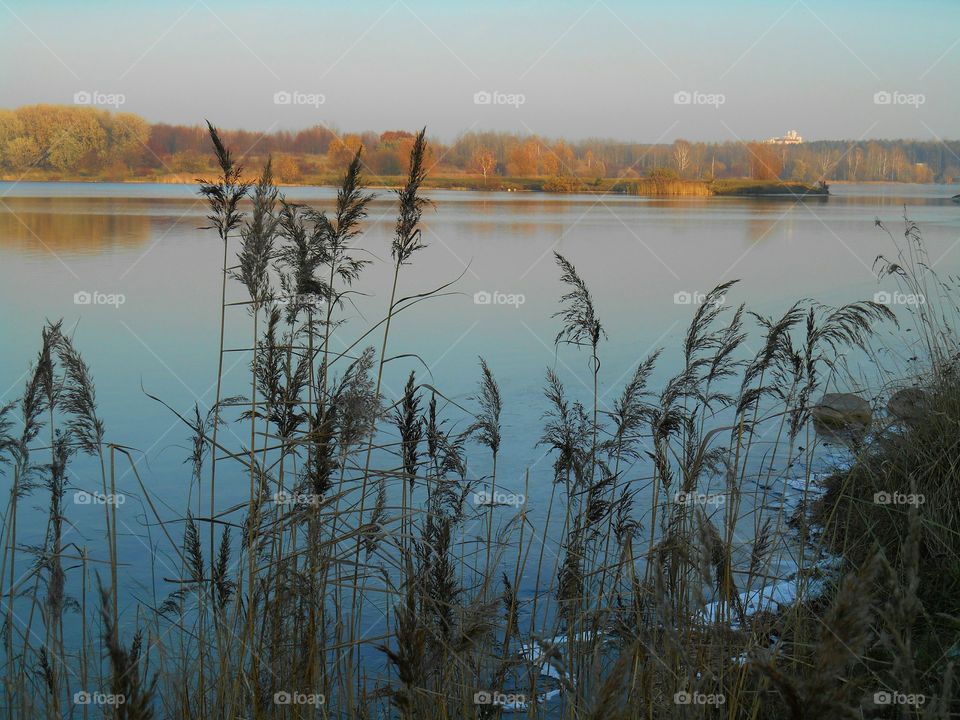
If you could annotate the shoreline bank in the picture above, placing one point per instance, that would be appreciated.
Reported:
(639, 187)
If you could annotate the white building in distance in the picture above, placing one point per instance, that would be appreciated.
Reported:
(791, 138)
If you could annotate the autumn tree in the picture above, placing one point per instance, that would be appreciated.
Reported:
(127, 136)
(564, 156)
(21, 153)
(801, 170)
(922, 173)
(41, 123)
(765, 163)
(312, 141)
(592, 167)
(81, 140)
(394, 136)
(522, 159)
(285, 168)
(64, 136)
(342, 150)
(405, 145)
(10, 129)
(550, 163)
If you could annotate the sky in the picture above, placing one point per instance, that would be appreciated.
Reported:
(636, 71)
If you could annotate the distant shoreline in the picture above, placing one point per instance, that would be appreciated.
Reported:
(636, 187)
(639, 187)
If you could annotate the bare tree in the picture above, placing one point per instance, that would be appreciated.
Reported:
(681, 156)
(483, 162)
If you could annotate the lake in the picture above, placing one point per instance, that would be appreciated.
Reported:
(153, 280)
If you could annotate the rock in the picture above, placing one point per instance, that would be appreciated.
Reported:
(838, 411)
(908, 404)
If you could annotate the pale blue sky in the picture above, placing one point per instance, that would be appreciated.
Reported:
(603, 68)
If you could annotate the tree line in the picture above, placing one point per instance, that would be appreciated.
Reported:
(67, 140)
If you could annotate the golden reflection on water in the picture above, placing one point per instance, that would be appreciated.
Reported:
(91, 224)
(516, 229)
(70, 225)
(761, 228)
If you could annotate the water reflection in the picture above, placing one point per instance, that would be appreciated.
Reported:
(40, 225)
(518, 229)
(761, 228)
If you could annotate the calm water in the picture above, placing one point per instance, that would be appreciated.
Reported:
(142, 241)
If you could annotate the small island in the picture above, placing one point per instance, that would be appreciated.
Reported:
(764, 188)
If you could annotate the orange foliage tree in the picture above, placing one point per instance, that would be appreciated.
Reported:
(765, 162)
(342, 150)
